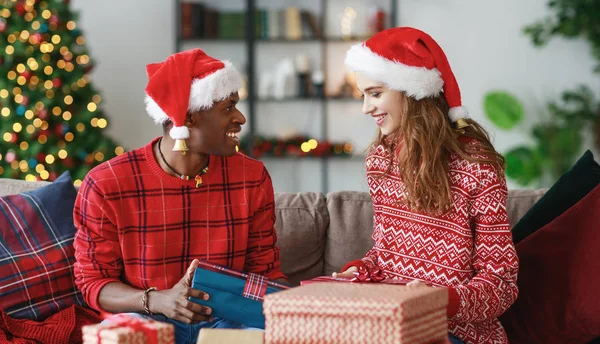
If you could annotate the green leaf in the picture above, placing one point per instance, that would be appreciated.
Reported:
(523, 165)
(503, 109)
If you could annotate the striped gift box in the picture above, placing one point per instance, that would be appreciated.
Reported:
(353, 313)
(123, 329)
(351, 280)
(234, 295)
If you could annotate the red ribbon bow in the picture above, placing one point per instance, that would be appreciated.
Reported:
(374, 275)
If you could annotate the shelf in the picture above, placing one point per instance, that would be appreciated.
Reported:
(289, 99)
(212, 40)
(312, 40)
(309, 99)
(324, 43)
(285, 40)
(343, 99)
(274, 40)
(349, 39)
(357, 157)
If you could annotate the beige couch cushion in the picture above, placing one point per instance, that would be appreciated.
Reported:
(350, 228)
(15, 186)
(520, 201)
(301, 225)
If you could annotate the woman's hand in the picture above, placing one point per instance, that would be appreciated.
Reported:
(174, 303)
(346, 274)
(415, 284)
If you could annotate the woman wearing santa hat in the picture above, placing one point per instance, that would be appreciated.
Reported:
(145, 217)
(437, 185)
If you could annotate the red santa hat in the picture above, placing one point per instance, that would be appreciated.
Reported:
(408, 60)
(187, 81)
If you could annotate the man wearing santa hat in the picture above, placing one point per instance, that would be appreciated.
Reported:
(145, 217)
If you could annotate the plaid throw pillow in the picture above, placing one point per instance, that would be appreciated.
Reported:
(36, 251)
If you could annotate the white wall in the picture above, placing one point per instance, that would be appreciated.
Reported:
(486, 48)
(482, 39)
(123, 36)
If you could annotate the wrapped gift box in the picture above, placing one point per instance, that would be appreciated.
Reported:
(228, 336)
(127, 330)
(234, 295)
(345, 313)
(353, 280)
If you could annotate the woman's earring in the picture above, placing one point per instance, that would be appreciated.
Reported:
(461, 124)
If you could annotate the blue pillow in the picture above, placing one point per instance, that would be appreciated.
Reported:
(36, 251)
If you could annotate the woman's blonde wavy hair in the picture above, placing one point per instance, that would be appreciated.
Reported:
(426, 139)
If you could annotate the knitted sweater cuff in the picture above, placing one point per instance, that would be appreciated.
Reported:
(453, 302)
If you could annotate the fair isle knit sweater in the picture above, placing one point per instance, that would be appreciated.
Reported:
(469, 250)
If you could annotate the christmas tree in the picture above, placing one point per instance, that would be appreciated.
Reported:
(50, 117)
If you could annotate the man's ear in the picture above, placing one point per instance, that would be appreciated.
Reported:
(191, 119)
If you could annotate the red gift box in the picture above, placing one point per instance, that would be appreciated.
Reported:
(122, 329)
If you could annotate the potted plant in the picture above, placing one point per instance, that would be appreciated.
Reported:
(557, 140)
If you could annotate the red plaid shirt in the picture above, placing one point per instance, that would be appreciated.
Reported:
(138, 225)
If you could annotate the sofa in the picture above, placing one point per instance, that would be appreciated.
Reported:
(318, 234)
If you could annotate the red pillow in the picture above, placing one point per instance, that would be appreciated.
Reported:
(559, 279)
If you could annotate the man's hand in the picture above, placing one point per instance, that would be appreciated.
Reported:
(346, 274)
(175, 304)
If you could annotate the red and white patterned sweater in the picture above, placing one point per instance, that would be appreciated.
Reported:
(469, 249)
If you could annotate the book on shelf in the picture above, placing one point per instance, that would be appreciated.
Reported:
(198, 21)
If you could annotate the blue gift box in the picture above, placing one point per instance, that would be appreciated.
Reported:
(234, 295)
